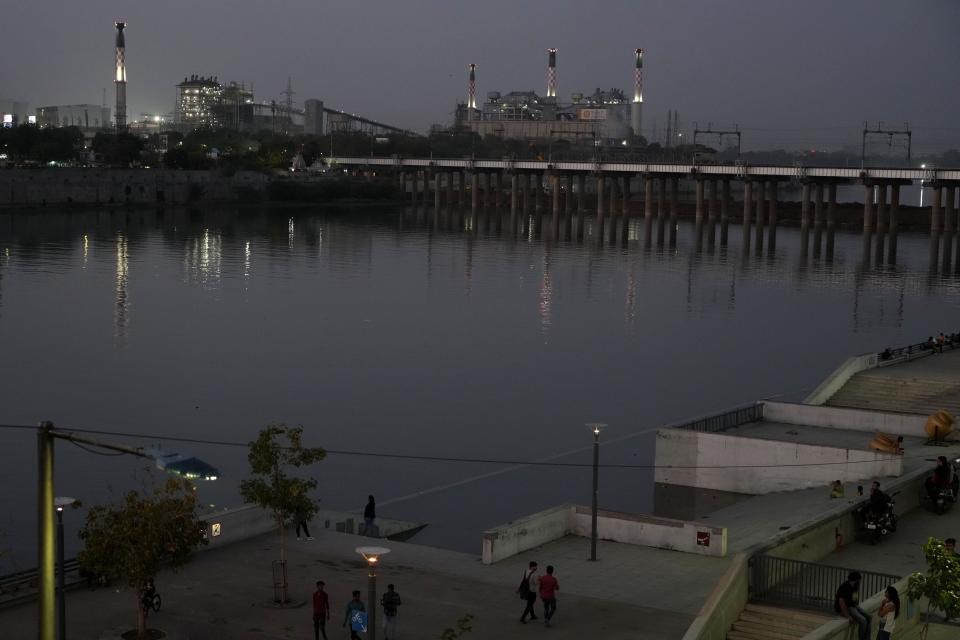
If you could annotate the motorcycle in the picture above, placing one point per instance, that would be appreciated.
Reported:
(945, 496)
(875, 526)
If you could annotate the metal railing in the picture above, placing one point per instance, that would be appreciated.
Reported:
(725, 420)
(807, 585)
(912, 350)
(21, 586)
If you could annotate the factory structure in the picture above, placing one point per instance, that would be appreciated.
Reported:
(601, 117)
(121, 78)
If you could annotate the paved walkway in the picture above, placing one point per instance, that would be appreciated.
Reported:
(630, 592)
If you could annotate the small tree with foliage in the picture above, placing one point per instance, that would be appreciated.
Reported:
(940, 584)
(131, 541)
(278, 448)
(463, 626)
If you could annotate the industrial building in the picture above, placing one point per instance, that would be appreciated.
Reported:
(197, 102)
(85, 116)
(600, 117)
(14, 112)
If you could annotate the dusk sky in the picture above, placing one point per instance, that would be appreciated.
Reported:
(789, 73)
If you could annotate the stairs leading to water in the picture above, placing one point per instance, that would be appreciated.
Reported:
(761, 622)
(904, 395)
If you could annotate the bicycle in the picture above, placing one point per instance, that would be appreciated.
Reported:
(151, 601)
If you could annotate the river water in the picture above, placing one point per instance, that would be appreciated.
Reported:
(392, 332)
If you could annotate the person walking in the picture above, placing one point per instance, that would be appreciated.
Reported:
(390, 601)
(355, 605)
(528, 591)
(888, 613)
(846, 603)
(302, 524)
(321, 611)
(369, 513)
(548, 593)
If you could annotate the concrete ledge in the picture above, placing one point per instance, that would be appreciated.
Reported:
(903, 424)
(840, 377)
(724, 604)
(240, 523)
(663, 533)
(743, 464)
(840, 629)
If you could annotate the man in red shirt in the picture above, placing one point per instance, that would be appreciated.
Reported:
(548, 593)
(321, 611)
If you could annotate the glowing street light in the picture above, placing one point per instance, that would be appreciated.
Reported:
(595, 428)
(173, 463)
(372, 555)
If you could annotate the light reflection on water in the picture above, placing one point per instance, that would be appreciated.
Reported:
(421, 333)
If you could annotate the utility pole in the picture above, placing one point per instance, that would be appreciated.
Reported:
(889, 133)
(719, 133)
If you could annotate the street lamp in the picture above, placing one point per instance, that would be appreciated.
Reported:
(181, 465)
(372, 556)
(60, 503)
(595, 428)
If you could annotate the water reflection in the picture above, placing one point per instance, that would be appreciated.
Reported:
(203, 258)
(120, 313)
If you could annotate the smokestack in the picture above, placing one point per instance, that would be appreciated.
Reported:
(121, 79)
(551, 73)
(636, 107)
(472, 93)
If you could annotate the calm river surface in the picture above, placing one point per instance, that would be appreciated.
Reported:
(379, 333)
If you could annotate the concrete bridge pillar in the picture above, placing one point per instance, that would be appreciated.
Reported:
(747, 211)
(949, 226)
(554, 179)
(804, 219)
(538, 182)
(402, 183)
(581, 185)
(647, 209)
(436, 189)
(761, 214)
(601, 187)
(772, 219)
(514, 196)
(568, 195)
(674, 209)
(868, 208)
(625, 197)
(499, 186)
(712, 201)
(698, 219)
(462, 198)
(893, 223)
(449, 180)
(881, 193)
(474, 186)
(724, 211)
(936, 224)
(831, 217)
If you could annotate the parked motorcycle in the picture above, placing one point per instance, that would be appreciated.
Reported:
(874, 525)
(943, 497)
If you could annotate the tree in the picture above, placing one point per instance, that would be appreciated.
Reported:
(276, 449)
(463, 626)
(940, 585)
(133, 540)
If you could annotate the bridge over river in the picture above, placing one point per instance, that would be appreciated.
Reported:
(607, 189)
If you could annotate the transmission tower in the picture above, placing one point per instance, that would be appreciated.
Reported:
(709, 131)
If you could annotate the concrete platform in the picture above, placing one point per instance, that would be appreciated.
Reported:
(226, 593)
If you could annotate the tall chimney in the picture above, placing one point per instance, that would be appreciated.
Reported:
(551, 73)
(636, 107)
(121, 79)
(472, 93)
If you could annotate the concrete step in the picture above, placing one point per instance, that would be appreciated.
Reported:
(795, 614)
(778, 622)
(743, 635)
(784, 631)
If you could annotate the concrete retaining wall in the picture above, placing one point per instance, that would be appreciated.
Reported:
(240, 523)
(648, 531)
(724, 604)
(526, 533)
(39, 187)
(840, 376)
(540, 528)
(730, 463)
(905, 424)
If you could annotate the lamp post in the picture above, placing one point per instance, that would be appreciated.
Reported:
(60, 503)
(595, 428)
(188, 467)
(372, 556)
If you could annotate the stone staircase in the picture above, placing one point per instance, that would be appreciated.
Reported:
(904, 395)
(761, 622)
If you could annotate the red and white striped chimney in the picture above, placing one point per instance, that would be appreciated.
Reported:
(551, 73)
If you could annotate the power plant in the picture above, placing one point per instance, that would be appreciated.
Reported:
(121, 79)
(600, 117)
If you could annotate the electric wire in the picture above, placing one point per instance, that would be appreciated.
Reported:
(464, 460)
